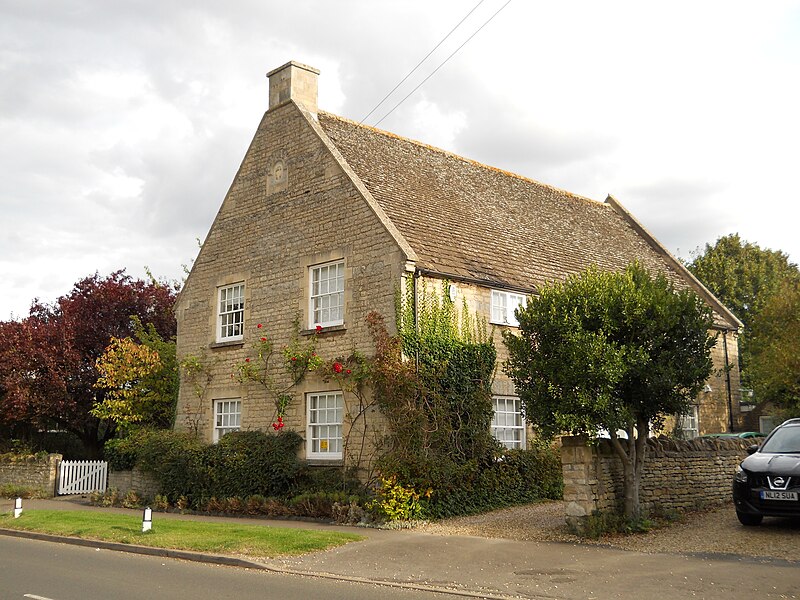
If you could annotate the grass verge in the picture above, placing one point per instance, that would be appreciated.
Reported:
(217, 538)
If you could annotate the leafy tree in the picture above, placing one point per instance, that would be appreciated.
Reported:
(140, 380)
(613, 351)
(744, 277)
(48, 360)
(775, 359)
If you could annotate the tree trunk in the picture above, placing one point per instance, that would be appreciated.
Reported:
(626, 452)
(642, 430)
(632, 456)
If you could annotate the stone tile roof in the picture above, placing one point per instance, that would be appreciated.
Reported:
(469, 220)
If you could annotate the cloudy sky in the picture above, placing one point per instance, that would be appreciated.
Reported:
(122, 123)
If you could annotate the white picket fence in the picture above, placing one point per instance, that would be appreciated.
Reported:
(82, 476)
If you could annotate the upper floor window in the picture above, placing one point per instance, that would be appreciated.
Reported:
(325, 417)
(326, 302)
(508, 424)
(227, 417)
(230, 313)
(503, 306)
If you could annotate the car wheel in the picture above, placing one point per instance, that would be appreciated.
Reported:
(748, 519)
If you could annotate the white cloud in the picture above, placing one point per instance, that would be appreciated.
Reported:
(122, 125)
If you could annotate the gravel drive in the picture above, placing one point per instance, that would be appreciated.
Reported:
(716, 531)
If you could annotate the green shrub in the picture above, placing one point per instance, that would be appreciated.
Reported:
(439, 414)
(395, 502)
(246, 463)
(120, 453)
(242, 465)
(513, 477)
(329, 479)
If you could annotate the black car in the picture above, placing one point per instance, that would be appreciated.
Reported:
(767, 483)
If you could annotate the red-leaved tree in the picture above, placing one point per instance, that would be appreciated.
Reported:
(48, 359)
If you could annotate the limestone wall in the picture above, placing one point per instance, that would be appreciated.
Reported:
(291, 206)
(41, 474)
(142, 483)
(678, 475)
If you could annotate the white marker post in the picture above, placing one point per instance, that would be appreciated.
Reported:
(147, 519)
(17, 508)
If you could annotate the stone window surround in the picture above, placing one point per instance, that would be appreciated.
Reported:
(218, 314)
(314, 275)
(321, 456)
(516, 410)
(234, 409)
(317, 260)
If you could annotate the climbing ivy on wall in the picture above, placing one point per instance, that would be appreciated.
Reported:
(433, 384)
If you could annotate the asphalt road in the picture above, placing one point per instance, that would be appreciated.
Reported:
(36, 570)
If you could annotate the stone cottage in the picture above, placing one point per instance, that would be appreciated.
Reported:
(327, 218)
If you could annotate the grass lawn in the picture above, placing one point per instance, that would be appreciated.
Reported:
(217, 538)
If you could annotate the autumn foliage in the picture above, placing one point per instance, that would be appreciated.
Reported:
(140, 380)
(48, 360)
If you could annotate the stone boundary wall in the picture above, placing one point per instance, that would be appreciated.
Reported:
(144, 484)
(40, 474)
(678, 475)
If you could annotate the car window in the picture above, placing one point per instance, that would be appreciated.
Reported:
(784, 440)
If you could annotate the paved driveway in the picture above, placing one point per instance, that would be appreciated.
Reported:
(715, 531)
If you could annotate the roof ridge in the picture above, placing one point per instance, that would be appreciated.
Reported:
(470, 161)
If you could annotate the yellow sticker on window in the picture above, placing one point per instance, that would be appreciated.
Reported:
(323, 445)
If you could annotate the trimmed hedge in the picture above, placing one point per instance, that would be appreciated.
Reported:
(469, 487)
(248, 464)
(242, 464)
(516, 477)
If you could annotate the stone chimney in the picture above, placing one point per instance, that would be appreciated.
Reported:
(294, 81)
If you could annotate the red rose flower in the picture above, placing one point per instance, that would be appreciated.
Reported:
(294, 358)
(337, 367)
(319, 328)
(348, 371)
(246, 360)
(263, 339)
(259, 326)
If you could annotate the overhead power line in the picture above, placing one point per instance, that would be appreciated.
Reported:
(411, 72)
(407, 96)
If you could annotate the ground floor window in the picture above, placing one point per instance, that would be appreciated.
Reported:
(227, 416)
(688, 424)
(508, 424)
(325, 416)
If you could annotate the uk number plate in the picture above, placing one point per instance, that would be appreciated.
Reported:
(772, 495)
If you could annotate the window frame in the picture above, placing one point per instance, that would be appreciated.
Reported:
(312, 425)
(220, 430)
(313, 273)
(222, 314)
(692, 418)
(522, 442)
(507, 306)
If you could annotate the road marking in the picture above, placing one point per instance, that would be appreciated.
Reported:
(35, 597)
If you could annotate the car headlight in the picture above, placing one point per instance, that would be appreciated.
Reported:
(740, 475)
